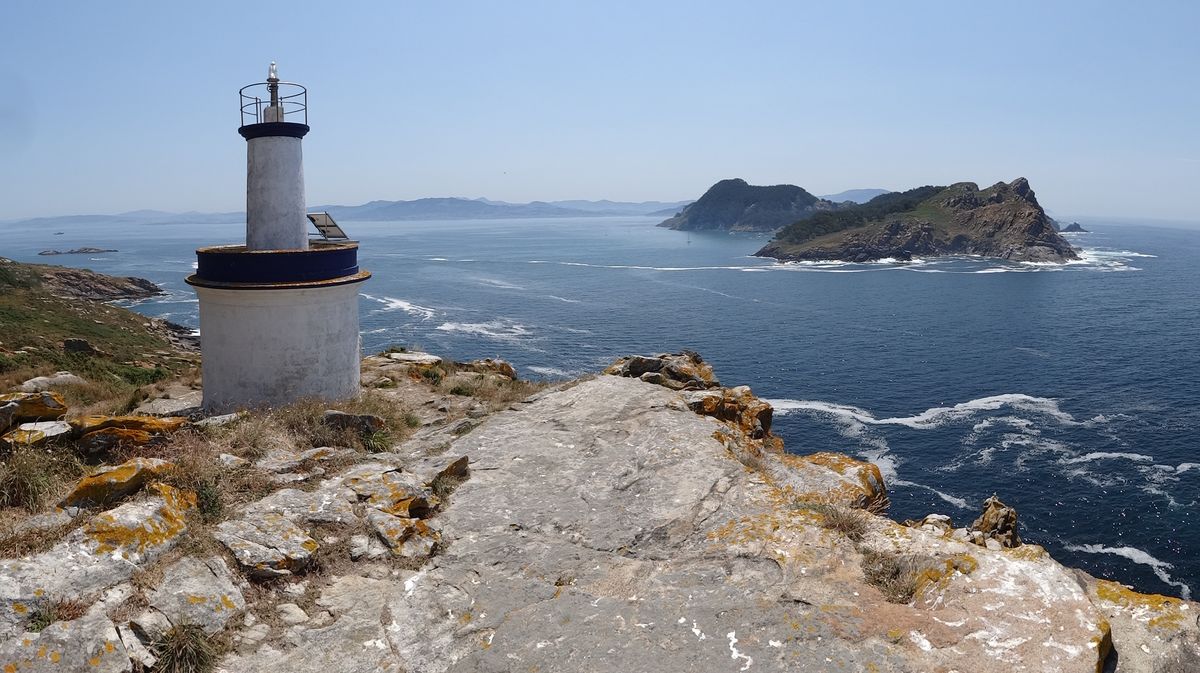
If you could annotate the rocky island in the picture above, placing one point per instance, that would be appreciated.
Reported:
(1074, 228)
(1003, 221)
(75, 251)
(734, 205)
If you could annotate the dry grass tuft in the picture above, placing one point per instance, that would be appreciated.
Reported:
(495, 392)
(32, 477)
(37, 540)
(184, 648)
(47, 611)
(849, 522)
(445, 484)
(219, 489)
(897, 576)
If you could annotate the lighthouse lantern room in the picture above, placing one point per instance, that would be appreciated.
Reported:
(278, 315)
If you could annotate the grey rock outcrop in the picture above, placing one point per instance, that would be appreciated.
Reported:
(38, 384)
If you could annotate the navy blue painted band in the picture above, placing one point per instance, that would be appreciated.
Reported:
(289, 129)
(235, 264)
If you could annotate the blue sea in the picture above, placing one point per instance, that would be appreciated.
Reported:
(1071, 391)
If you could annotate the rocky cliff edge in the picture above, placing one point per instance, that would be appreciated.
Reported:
(642, 520)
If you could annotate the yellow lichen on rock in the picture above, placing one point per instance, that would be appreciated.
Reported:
(43, 406)
(150, 424)
(111, 531)
(111, 483)
(1156, 611)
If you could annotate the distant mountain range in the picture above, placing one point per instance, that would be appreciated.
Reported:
(451, 208)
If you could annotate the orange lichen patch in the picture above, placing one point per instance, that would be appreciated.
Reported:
(760, 528)
(36, 406)
(55, 657)
(407, 507)
(227, 602)
(196, 599)
(20, 608)
(939, 577)
(108, 646)
(873, 491)
(32, 434)
(310, 545)
(1157, 611)
(1027, 552)
(94, 661)
(107, 439)
(113, 483)
(164, 525)
(737, 407)
(10, 668)
(151, 424)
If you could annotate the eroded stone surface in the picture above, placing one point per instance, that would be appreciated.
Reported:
(101, 553)
(38, 384)
(199, 592)
(88, 644)
(267, 545)
(356, 641)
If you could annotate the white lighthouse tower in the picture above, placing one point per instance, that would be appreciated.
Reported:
(278, 315)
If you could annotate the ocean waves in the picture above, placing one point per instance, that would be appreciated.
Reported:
(1028, 433)
(1140, 557)
(394, 304)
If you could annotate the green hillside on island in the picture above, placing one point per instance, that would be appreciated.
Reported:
(1004, 221)
(735, 205)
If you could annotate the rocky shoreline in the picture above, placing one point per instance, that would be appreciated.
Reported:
(645, 520)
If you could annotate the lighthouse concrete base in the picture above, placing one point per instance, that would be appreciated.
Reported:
(271, 347)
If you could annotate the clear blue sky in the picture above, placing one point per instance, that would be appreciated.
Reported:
(113, 106)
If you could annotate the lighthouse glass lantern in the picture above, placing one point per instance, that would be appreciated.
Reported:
(279, 314)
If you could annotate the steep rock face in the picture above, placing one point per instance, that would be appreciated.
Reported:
(1004, 221)
(734, 205)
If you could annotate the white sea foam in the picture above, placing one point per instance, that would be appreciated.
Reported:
(496, 282)
(1108, 455)
(1184, 467)
(551, 372)
(393, 304)
(437, 259)
(1033, 351)
(934, 417)
(501, 330)
(1138, 556)
(952, 499)
(569, 301)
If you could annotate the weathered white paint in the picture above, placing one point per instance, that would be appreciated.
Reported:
(275, 215)
(273, 347)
